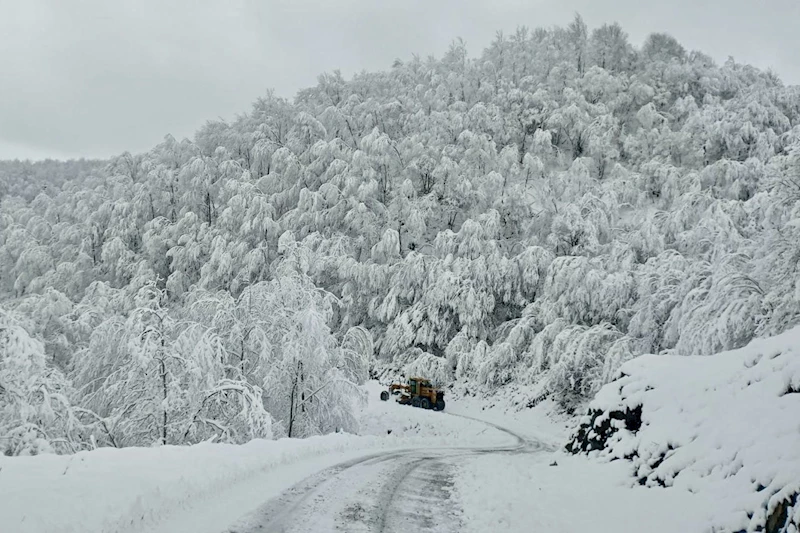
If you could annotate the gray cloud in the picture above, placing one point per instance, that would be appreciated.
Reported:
(94, 78)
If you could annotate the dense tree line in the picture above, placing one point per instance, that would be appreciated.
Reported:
(538, 214)
(29, 178)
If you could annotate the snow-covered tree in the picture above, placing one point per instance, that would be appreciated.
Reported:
(538, 212)
(36, 413)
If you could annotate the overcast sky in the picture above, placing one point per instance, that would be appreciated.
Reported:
(96, 77)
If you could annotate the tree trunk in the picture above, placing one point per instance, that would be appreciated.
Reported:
(291, 405)
(241, 358)
(164, 407)
(163, 368)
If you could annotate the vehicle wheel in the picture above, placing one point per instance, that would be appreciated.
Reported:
(384, 395)
(425, 403)
(415, 401)
(439, 405)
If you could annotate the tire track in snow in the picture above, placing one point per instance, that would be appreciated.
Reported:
(391, 494)
(407, 490)
(523, 445)
(278, 512)
(420, 500)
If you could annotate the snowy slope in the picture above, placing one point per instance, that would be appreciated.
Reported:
(725, 426)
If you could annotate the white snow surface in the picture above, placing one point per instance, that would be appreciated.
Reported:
(523, 493)
(726, 427)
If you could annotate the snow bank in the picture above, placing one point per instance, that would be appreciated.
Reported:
(522, 493)
(139, 489)
(726, 425)
(133, 488)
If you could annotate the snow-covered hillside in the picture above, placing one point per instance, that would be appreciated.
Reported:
(726, 427)
(515, 225)
(535, 214)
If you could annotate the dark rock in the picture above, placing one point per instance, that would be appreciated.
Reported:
(593, 436)
(778, 520)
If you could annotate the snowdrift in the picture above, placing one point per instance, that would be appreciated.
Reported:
(726, 425)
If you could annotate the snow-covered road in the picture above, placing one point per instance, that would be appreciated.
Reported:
(384, 492)
(409, 469)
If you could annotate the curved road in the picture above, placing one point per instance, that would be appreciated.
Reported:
(407, 490)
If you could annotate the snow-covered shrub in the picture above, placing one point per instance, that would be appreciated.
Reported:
(429, 366)
(573, 365)
(35, 412)
(498, 366)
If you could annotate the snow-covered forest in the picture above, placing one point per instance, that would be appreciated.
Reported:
(537, 214)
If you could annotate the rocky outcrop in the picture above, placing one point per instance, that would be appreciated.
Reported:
(594, 433)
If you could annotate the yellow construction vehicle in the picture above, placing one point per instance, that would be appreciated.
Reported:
(418, 393)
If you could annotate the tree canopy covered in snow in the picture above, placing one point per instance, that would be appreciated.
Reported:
(539, 213)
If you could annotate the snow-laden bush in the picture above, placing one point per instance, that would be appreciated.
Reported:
(572, 360)
(429, 366)
(152, 379)
(35, 412)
